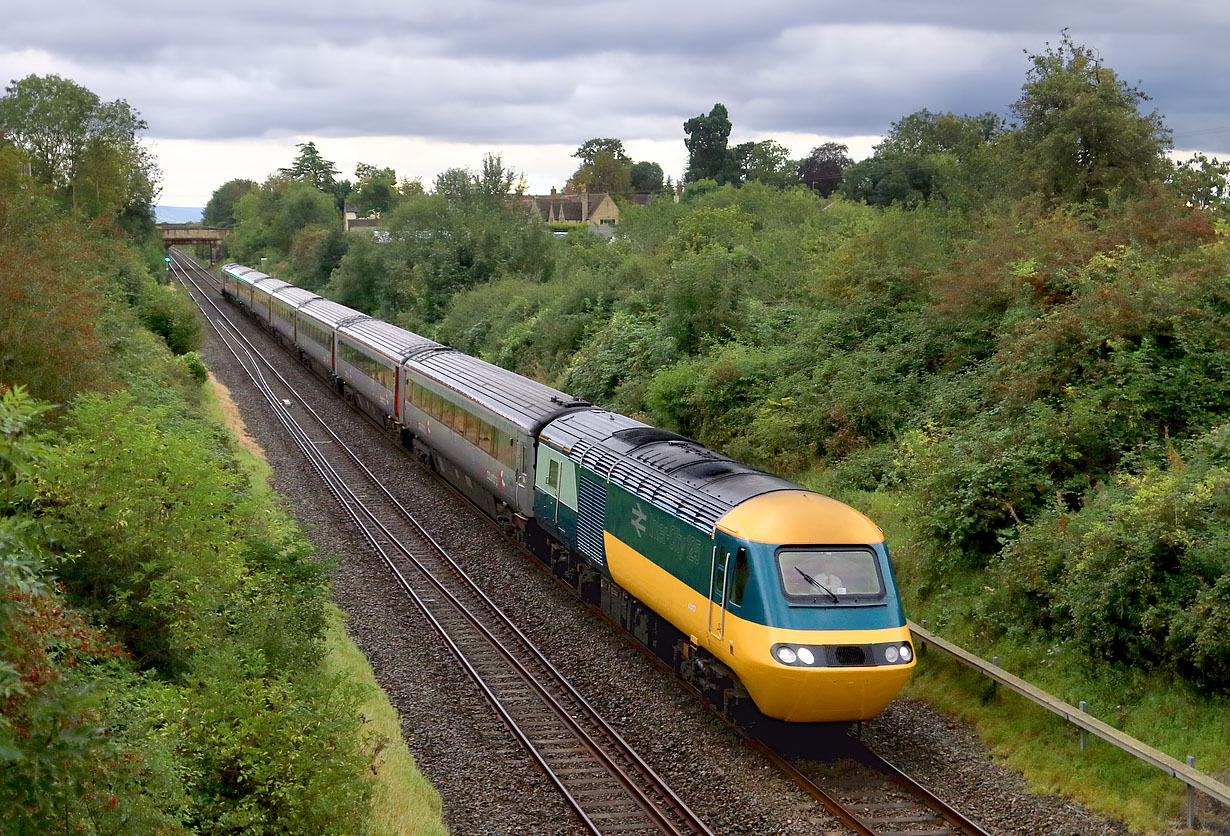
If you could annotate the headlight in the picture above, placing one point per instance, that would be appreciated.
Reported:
(907, 653)
(806, 657)
(890, 654)
(786, 656)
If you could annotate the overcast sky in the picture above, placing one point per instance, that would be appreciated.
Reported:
(229, 86)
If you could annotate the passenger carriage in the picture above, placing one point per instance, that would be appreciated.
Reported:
(317, 321)
(368, 356)
(481, 422)
(283, 307)
(260, 295)
(237, 283)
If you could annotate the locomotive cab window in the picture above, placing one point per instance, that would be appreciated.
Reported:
(742, 573)
(830, 576)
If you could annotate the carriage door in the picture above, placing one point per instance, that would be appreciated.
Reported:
(525, 491)
(717, 591)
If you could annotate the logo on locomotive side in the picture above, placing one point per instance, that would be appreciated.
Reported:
(638, 520)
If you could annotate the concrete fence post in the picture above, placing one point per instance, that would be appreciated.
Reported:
(1084, 707)
(1191, 798)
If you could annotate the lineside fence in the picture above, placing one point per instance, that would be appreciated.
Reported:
(1185, 772)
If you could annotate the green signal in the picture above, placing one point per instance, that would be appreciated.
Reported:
(166, 258)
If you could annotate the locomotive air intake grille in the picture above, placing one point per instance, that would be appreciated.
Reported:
(849, 654)
(590, 517)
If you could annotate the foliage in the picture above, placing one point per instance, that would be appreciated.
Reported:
(1203, 182)
(605, 173)
(268, 219)
(1082, 133)
(890, 178)
(824, 168)
(220, 210)
(440, 245)
(767, 162)
(315, 253)
(160, 628)
(491, 184)
(375, 190)
(310, 167)
(706, 139)
(645, 177)
(1138, 573)
(83, 148)
(591, 148)
(924, 133)
(50, 296)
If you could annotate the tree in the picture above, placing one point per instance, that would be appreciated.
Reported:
(646, 178)
(311, 168)
(925, 132)
(767, 161)
(605, 173)
(220, 210)
(823, 168)
(885, 179)
(497, 181)
(1203, 182)
(84, 149)
(706, 140)
(51, 296)
(590, 148)
(1082, 132)
(375, 190)
(268, 219)
(493, 182)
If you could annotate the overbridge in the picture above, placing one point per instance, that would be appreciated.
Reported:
(182, 235)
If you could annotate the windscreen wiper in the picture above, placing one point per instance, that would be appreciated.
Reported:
(817, 584)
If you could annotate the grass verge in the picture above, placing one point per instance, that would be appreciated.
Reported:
(404, 803)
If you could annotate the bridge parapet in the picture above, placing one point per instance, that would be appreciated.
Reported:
(173, 234)
(184, 235)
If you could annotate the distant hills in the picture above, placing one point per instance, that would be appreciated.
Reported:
(178, 214)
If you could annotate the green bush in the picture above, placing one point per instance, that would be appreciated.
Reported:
(1138, 574)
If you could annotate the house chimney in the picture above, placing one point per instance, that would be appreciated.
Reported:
(584, 203)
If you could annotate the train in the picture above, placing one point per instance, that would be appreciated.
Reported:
(772, 600)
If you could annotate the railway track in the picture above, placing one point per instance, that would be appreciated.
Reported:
(599, 775)
(606, 783)
(869, 795)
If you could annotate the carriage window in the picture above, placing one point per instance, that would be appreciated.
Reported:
(829, 575)
(486, 438)
(471, 427)
(553, 475)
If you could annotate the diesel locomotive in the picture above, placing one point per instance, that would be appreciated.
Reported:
(759, 592)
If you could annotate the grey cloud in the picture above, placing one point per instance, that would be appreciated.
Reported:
(494, 71)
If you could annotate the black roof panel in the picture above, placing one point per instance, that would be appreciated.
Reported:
(677, 474)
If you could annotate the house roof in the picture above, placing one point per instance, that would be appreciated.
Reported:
(566, 207)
